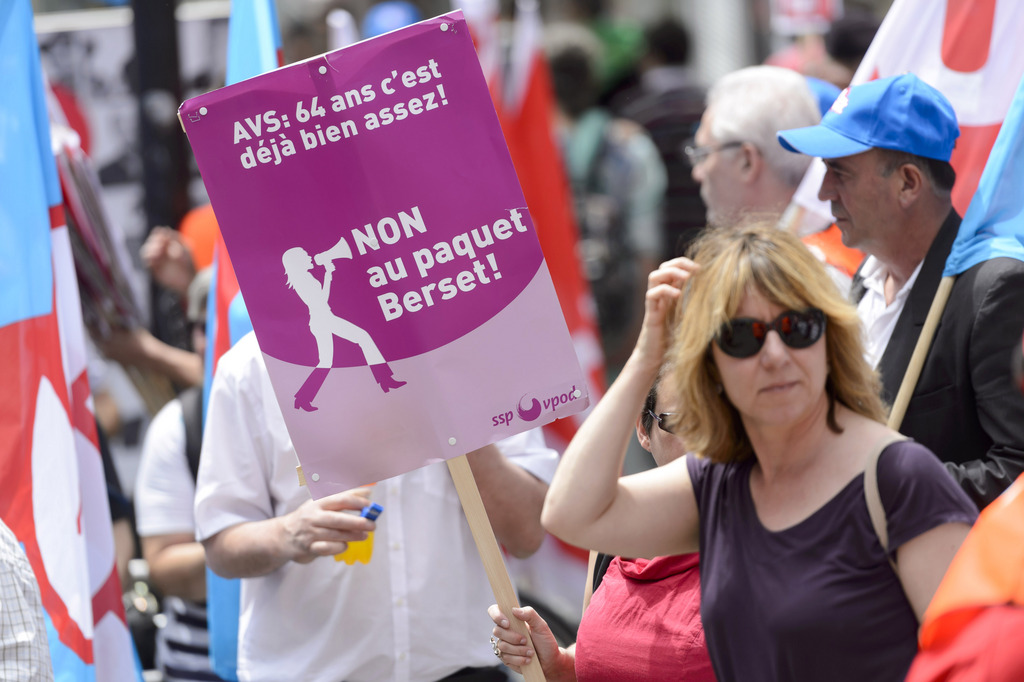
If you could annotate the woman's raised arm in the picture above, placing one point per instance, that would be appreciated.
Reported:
(588, 504)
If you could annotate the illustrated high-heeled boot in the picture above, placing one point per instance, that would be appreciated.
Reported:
(382, 373)
(304, 396)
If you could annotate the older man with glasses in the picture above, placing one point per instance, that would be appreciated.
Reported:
(740, 165)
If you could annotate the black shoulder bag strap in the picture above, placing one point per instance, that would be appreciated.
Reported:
(192, 411)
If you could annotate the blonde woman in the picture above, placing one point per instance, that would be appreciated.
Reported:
(774, 396)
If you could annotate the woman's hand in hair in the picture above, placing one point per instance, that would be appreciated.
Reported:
(664, 287)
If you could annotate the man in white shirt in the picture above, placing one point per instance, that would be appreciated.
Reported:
(416, 612)
(164, 498)
(886, 146)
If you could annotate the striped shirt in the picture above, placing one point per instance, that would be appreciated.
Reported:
(183, 644)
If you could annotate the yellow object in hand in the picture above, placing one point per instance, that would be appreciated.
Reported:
(361, 550)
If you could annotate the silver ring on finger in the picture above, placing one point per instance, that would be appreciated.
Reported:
(495, 649)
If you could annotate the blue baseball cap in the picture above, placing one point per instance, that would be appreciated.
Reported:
(900, 112)
(824, 92)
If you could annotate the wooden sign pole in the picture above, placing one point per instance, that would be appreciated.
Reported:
(924, 344)
(490, 554)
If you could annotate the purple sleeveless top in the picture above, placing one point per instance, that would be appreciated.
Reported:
(816, 601)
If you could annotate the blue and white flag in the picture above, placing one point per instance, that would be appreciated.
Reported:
(254, 47)
(993, 226)
(254, 39)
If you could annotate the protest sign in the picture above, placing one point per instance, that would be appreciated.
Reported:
(386, 255)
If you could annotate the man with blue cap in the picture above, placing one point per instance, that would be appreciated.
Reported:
(886, 145)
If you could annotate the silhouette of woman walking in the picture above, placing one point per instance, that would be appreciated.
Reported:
(325, 325)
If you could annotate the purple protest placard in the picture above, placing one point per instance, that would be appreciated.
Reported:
(386, 256)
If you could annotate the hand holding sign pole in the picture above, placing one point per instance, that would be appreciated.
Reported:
(490, 554)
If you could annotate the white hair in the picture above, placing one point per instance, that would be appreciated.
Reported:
(753, 104)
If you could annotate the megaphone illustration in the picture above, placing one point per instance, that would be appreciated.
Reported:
(339, 250)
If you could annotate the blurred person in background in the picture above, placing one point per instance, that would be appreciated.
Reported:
(122, 419)
(822, 40)
(847, 42)
(168, 258)
(198, 230)
(618, 184)
(170, 263)
(121, 516)
(668, 102)
(740, 165)
(24, 648)
(164, 499)
(622, 45)
(635, 605)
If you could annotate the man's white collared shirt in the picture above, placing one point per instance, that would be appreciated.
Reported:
(878, 317)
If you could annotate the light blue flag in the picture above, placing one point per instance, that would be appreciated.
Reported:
(994, 224)
(254, 39)
(254, 47)
(28, 174)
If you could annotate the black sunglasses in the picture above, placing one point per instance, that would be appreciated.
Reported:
(743, 337)
(662, 420)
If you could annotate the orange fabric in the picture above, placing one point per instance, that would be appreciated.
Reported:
(987, 571)
(199, 231)
(837, 254)
(988, 648)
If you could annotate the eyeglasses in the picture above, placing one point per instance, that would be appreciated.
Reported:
(696, 155)
(662, 420)
(743, 337)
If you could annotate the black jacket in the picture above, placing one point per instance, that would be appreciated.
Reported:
(965, 407)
